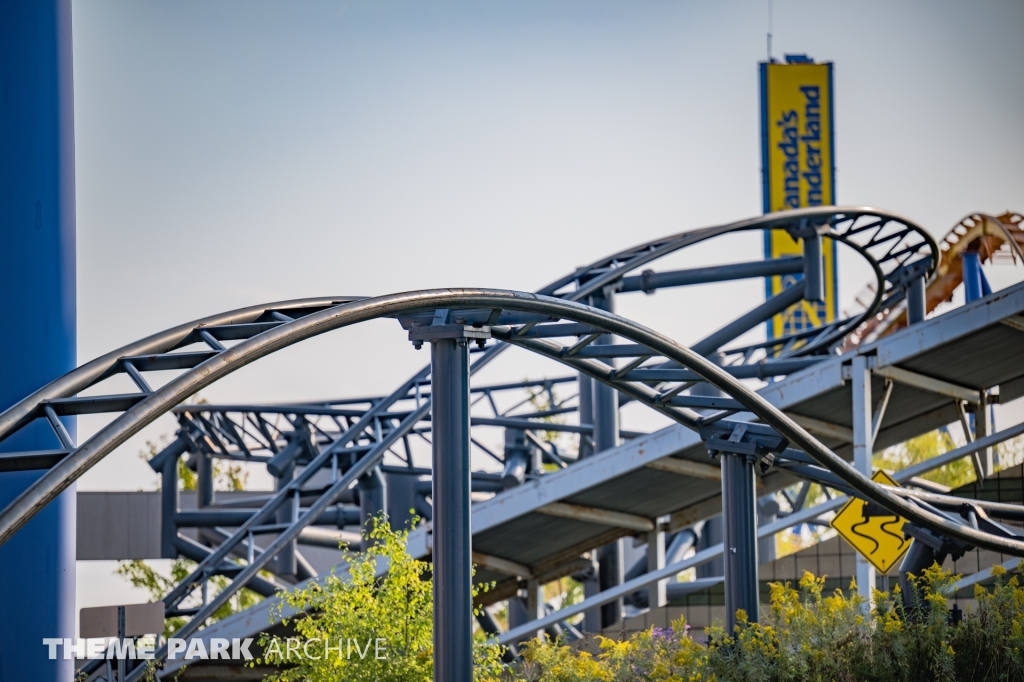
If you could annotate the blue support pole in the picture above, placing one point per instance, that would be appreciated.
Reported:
(605, 413)
(972, 276)
(37, 328)
(452, 538)
(739, 521)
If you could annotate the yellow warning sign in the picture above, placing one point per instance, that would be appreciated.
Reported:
(879, 539)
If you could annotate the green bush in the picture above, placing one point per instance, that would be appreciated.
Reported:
(395, 609)
(806, 636)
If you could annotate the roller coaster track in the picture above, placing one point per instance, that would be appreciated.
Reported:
(536, 322)
(887, 241)
(652, 369)
(993, 237)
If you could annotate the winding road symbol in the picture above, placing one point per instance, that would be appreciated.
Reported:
(876, 534)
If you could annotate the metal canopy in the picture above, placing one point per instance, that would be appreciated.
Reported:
(983, 337)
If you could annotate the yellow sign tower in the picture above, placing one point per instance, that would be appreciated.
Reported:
(798, 170)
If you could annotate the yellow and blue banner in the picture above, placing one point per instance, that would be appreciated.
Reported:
(798, 170)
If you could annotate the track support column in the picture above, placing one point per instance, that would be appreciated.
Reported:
(739, 516)
(166, 463)
(606, 436)
(863, 440)
(814, 267)
(657, 594)
(452, 548)
(917, 308)
(373, 500)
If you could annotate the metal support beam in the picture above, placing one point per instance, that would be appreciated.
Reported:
(926, 383)
(605, 517)
(606, 437)
(586, 412)
(204, 479)
(982, 428)
(286, 562)
(610, 570)
(879, 414)
(373, 501)
(767, 512)
(823, 428)
(766, 311)
(686, 467)
(971, 275)
(517, 458)
(814, 268)
(169, 502)
(535, 602)
(500, 565)
(739, 518)
(650, 281)
(401, 499)
(452, 571)
(860, 378)
(656, 593)
(916, 307)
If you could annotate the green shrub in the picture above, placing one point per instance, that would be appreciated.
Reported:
(806, 636)
(395, 609)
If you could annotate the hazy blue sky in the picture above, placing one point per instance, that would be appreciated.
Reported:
(233, 152)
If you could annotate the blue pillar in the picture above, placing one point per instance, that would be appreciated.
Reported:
(972, 276)
(37, 317)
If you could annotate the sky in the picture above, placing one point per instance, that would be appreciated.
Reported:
(230, 153)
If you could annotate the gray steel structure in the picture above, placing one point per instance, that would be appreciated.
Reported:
(549, 516)
(655, 371)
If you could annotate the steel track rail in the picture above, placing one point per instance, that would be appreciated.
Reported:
(133, 420)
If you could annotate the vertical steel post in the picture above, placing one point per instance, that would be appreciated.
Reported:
(739, 518)
(286, 562)
(814, 268)
(973, 290)
(863, 440)
(983, 428)
(401, 499)
(971, 262)
(453, 603)
(606, 437)
(166, 462)
(373, 499)
(121, 638)
(169, 503)
(517, 459)
(535, 603)
(37, 328)
(586, 400)
(657, 594)
(610, 570)
(711, 532)
(767, 512)
(916, 301)
(591, 582)
(204, 479)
